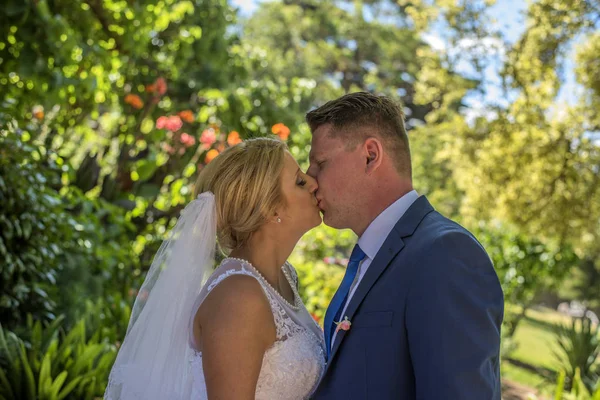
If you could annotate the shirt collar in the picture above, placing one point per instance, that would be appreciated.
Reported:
(379, 229)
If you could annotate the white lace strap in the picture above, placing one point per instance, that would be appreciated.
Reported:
(293, 274)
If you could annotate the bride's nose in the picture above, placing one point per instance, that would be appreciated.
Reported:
(312, 184)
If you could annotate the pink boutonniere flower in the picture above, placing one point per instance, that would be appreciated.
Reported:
(343, 325)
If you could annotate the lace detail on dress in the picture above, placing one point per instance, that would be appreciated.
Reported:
(293, 365)
(293, 274)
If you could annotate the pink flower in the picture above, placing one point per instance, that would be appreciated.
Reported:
(174, 123)
(161, 86)
(187, 140)
(343, 325)
(161, 122)
(207, 138)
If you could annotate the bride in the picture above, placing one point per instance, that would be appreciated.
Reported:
(240, 331)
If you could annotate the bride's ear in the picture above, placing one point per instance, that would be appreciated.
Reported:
(276, 218)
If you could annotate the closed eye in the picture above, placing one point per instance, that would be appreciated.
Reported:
(301, 182)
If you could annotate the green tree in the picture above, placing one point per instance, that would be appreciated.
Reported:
(536, 163)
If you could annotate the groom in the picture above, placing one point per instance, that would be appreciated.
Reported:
(420, 294)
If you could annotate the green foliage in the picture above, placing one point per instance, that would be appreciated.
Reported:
(584, 284)
(534, 162)
(525, 265)
(53, 365)
(531, 162)
(345, 47)
(318, 283)
(33, 228)
(579, 349)
(58, 246)
(107, 318)
(578, 390)
(320, 259)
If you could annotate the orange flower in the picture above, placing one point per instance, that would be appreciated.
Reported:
(211, 155)
(233, 138)
(281, 130)
(38, 112)
(134, 101)
(187, 116)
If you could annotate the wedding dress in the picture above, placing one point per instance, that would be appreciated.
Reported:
(294, 364)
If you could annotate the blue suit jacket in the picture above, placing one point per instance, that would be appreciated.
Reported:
(425, 319)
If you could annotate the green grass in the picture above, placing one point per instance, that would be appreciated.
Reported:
(535, 364)
(521, 375)
(535, 344)
(535, 338)
(527, 378)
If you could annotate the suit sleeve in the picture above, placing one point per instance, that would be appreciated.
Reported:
(453, 316)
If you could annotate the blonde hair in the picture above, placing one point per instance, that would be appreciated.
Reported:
(245, 181)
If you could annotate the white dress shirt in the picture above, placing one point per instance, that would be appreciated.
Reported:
(372, 239)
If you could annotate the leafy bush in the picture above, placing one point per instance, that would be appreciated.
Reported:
(578, 390)
(34, 228)
(58, 247)
(49, 364)
(320, 259)
(579, 345)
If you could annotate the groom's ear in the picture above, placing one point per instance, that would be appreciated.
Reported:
(374, 154)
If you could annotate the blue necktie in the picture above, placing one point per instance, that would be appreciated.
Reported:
(339, 299)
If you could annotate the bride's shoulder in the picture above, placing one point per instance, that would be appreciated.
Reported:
(235, 289)
(238, 288)
(236, 309)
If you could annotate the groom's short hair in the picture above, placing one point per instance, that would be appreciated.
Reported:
(363, 109)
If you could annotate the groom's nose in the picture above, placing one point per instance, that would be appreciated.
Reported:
(312, 171)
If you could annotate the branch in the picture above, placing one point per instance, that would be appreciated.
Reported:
(98, 11)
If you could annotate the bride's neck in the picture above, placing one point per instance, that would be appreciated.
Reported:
(266, 255)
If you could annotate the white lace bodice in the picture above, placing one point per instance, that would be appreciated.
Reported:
(293, 365)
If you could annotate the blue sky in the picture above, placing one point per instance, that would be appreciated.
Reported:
(509, 16)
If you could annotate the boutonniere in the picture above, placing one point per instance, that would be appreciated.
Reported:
(343, 325)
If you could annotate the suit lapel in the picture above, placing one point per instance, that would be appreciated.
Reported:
(390, 248)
